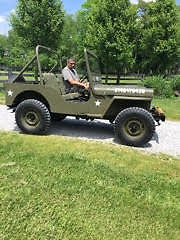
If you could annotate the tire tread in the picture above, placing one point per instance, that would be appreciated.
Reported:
(45, 114)
(136, 110)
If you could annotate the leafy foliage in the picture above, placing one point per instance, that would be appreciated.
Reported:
(68, 41)
(157, 39)
(17, 54)
(3, 48)
(163, 87)
(82, 17)
(111, 31)
(38, 22)
(142, 37)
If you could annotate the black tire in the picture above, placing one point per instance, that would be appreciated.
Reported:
(134, 126)
(32, 117)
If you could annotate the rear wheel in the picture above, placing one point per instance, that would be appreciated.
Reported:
(32, 117)
(134, 126)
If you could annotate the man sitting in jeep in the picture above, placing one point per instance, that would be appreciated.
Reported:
(71, 78)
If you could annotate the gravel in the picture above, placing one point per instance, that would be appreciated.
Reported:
(166, 139)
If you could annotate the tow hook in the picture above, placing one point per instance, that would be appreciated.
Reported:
(158, 114)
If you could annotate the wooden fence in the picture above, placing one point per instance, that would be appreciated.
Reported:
(9, 74)
(124, 78)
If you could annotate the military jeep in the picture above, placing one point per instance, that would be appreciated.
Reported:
(40, 100)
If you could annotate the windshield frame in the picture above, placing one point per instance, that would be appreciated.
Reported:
(36, 58)
(89, 70)
(39, 64)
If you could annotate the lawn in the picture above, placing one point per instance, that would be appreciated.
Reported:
(62, 188)
(1, 84)
(171, 106)
(2, 97)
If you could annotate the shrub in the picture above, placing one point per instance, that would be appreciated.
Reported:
(176, 83)
(162, 87)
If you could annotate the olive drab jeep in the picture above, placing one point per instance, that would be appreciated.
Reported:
(40, 100)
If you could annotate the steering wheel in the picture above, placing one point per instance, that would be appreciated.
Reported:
(85, 76)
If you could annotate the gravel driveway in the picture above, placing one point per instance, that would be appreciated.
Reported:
(166, 139)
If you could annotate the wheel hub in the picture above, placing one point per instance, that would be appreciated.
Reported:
(31, 118)
(134, 127)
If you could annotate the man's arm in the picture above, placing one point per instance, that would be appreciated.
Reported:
(74, 82)
(67, 77)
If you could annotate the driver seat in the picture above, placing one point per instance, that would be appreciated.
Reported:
(65, 95)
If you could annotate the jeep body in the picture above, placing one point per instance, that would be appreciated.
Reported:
(105, 101)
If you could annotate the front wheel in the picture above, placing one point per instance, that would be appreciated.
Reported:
(134, 126)
(32, 117)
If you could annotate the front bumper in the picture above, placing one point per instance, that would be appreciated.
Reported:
(158, 114)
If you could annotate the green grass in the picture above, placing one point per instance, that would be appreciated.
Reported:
(2, 97)
(62, 188)
(171, 106)
(2, 100)
(3, 79)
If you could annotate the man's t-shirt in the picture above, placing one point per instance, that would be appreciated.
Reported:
(68, 74)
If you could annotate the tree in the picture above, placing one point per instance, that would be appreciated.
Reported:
(178, 37)
(157, 50)
(11, 51)
(111, 31)
(38, 22)
(3, 49)
(82, 17)
(69, 37)
(17, 55)
(72, 41)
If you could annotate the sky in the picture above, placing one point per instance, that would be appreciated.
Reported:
(7, 6)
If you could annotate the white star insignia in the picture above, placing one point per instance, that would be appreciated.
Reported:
(98, 103)
(10, 93)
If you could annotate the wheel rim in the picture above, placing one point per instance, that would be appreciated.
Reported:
(31, 118)
(134, 128)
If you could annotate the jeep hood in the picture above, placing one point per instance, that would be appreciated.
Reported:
(126, 90)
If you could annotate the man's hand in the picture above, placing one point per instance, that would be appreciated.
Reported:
(86, 86)
(74, 82)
